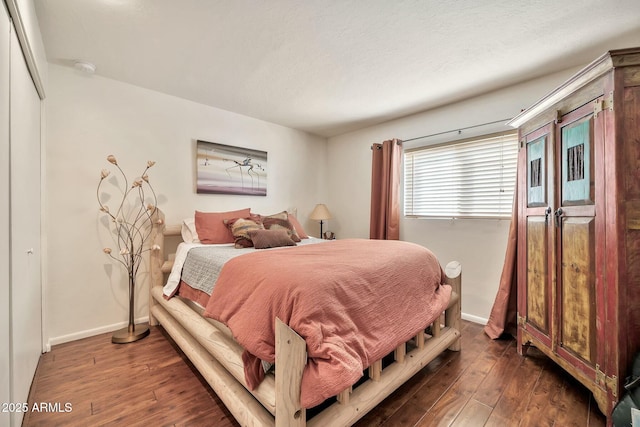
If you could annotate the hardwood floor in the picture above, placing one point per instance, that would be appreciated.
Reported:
(151, 383)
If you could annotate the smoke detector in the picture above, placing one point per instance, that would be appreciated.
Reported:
(85, 67)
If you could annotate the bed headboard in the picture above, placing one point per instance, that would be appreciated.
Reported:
(165, 239)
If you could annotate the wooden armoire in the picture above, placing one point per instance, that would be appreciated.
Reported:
(579, 224)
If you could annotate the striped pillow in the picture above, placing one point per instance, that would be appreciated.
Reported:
(240, 228)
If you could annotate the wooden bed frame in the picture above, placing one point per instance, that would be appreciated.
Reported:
(218, 357)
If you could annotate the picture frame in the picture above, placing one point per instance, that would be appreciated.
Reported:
(227, 169)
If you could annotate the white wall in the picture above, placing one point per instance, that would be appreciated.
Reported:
(90, 117)
(478, 244)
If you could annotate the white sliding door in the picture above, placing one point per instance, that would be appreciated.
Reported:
(26, 289)
(5, 325)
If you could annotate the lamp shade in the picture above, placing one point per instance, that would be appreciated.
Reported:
(320, 213)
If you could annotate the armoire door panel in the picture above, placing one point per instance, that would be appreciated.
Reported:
(577, 287)
(537, 274)
(537, 172)
(576, 163)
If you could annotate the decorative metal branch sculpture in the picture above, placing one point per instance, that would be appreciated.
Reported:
(131, 223)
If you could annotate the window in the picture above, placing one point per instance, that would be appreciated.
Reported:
(468, 179)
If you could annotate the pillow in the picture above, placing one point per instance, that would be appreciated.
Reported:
(263, 239)
(211, 228)
(240, 228)
(296, 226)
(279, 215)
(271, 223)
(189, 233)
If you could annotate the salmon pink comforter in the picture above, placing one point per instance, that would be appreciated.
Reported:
(353, 301)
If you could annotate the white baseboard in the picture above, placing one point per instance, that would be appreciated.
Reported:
(475, 319)
(90, 333)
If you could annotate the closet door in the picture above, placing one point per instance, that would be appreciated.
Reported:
(26, 291)
(5, 363)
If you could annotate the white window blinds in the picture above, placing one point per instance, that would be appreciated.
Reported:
(469, 179)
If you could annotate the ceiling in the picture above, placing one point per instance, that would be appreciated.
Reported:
(332, 66)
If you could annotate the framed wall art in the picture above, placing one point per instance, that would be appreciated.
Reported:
(226, 169)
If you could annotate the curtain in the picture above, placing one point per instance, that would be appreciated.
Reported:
(385, 189)
(503, 317)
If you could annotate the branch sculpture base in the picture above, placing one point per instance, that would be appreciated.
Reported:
(130, 334)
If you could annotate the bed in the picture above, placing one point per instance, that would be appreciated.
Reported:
(282, 399)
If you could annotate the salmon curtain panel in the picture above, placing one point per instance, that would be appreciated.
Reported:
(385, 190)
(503, 315)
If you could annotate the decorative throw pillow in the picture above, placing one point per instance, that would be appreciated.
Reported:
(211, 228)
(297, 226)
(240, 228)
(188, 231)
(279, 215)
(271, 223)
(263, 239)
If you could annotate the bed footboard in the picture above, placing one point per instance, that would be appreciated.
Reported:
(244, 407)
(276, 402)
(354, 404)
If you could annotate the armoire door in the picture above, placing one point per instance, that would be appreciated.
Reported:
(536, 253)
(575, 222)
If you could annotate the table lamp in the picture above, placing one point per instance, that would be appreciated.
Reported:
(320, 213)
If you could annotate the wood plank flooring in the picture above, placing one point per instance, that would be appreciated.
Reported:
(151, 383)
